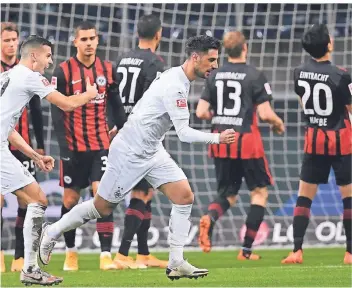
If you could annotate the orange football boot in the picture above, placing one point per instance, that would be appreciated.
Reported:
(204, 240)
(294, 258)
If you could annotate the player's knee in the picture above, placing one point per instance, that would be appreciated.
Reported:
(103, 207)
(259, 196)
(307, 189)
(43, 201)
(138, 194)
(150, 194)
(32, 193)
(346, 191)
(70, 198)
(186, 197)
(232, 200)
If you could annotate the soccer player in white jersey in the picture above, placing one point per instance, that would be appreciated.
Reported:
(137, 152)
(18, 86)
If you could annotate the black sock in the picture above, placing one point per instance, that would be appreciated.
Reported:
(142, 233)
(254, 219)
(347, 222)
(105, 229)
(19, 247)
(300, 221)
(217, 208)
(133, 219)
(70, 236)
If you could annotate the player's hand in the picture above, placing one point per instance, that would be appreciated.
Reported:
(45, 163)
(91, 90)
(228, 136)
(112, 133)
(40, 151)
(278, 128)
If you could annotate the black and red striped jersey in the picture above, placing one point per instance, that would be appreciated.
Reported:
(85, 128)
(22, 126)
(233, 92)
(325, 90)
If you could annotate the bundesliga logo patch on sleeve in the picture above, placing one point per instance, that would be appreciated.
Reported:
(268, 88)
(181, 103)
(54, 81)
(350, 87)
(45, 82)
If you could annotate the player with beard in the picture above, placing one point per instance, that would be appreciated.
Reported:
(137, 152)
(136, 70)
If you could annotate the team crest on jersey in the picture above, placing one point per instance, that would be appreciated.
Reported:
(101, 81)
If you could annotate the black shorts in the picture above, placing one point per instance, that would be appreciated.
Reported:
(144, 186)
(28, 163)
(316, 169)
(83, 168)
(229, 174)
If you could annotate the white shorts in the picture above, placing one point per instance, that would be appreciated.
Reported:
(14, 175)
(125, 169)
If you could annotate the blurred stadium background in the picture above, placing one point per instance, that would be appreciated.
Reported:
(273, 32)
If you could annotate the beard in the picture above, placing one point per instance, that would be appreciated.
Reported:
(199, 73)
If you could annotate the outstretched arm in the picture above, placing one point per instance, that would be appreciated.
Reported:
(177, 108)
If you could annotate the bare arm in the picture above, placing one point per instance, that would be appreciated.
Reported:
(45, 163)
(267, 114)
(17, 141)
(203, 111)
(72, 102)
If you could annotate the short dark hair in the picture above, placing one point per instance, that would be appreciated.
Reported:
(34, 41)
(84, 25)
(147, 26)
(315, 40)
(9, 26)
(233, 43)
(201, 44)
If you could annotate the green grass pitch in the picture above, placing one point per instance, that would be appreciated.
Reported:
(321, 268)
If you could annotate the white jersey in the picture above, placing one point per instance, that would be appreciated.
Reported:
(163, 105)
(18, 86)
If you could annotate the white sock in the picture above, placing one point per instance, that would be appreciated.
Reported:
(179, 226)
(105, 253)
(32, 227)
(73, 249)
(78, 215)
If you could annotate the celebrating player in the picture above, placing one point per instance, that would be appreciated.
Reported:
(9, 45)
(83, 135)
(137, 152)
(325, 92)
(136, 70)
(18, 86)
(235, 93)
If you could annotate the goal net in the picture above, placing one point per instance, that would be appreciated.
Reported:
(273, 32)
